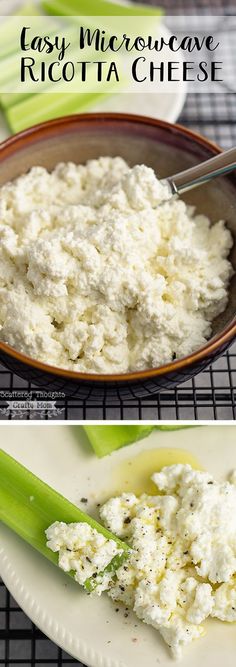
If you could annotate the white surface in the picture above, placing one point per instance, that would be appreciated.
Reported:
(57, 605)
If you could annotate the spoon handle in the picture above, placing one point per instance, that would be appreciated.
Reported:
(201, 173)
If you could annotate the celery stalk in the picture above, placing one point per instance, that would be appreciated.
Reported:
(9, 35)
(9, 70)
(46, 106)
(28, 506)
(98, 8)
(28, 9)
(9, 73)
(9, 99)
(105, 439)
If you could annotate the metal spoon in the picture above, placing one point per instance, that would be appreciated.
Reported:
(201, 173)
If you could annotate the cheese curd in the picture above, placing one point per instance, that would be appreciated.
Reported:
(182, 568)
(101, 272)
(83, 550)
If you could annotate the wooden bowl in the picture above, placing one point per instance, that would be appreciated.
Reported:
(165, 147)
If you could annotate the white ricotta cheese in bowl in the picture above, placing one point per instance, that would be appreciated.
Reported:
(101, 272)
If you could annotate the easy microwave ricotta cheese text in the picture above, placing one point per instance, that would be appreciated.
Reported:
(101, 272)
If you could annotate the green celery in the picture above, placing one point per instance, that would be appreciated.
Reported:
(9, 71)
(98, 8)
(9, 99)
(25, 109)
(28, 9)
(9, 74)
(9, 35)
(28, 506)
(106, 439)
(46, 106)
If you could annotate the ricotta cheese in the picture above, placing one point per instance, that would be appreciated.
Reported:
(101, 272)
(83, 550)
(182, 567)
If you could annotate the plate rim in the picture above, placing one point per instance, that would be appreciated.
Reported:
(54, 630)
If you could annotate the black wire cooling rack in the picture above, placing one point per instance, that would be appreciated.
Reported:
(21, 643)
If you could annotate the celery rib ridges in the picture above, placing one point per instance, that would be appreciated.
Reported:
(28, 506)
(98, 8)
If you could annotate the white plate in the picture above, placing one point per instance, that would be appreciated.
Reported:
(89, 628)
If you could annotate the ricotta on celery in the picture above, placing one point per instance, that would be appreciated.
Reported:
(83, 550)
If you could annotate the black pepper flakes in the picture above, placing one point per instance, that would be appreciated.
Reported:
(83, 500)
(127, 520)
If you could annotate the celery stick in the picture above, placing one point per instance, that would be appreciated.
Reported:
(9, 34)
(28, 9)
(28, 506)
(41, 107)
(9, 71)
(97, 8)
(9, 99)
(47, 105)
(10, 68)
(106, 439)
